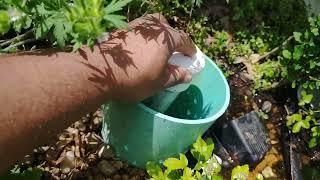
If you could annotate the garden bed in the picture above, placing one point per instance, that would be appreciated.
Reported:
(266, 50)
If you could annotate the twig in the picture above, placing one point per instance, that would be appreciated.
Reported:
(19, 37)
(18, 44)
(313, 78)
(275, 49)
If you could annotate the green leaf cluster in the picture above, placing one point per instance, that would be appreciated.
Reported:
(302, 56)
(208, 166)
(63, 22)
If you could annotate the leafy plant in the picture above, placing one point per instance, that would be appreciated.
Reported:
(17, 173)
(207, 167)
(240, 173)
(268, 74)
(302, 57)
(61, 22)
(305, 118)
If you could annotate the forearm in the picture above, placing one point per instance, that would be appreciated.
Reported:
(41, 94)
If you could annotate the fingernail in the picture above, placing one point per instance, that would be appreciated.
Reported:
(187, 78)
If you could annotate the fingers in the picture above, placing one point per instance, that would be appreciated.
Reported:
(176, 75)
(184, 44)
(156, 17)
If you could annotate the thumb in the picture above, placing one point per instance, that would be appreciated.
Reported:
(176, 75)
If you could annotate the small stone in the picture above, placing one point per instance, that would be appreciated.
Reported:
(80, 126)
(97, 121)
(133, 171)
(44, 148)
(117, 164)
(65, 169)
(125, 165)
(55, 171)
(85, 119)
(116, 177)
(270, 126)
(272, 136)
(70, 155)
(125, 177)
(141, 173)
(94, 170)
(105, 152)
(266, 106)
(268, 173)
(99, 177)
(106, 168)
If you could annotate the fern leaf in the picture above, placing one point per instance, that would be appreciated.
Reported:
(115, 5)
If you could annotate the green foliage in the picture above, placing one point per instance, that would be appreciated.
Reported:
(240, 173)
(208, 166)
(64, 22)
(305, 119)
(302, 56)
(18, 174)
(315, 134)
(280, 16)
(4, 22)
(268, 74)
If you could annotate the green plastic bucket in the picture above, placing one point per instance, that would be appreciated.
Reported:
(140, 134)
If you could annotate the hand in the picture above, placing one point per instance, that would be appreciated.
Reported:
(140, 58)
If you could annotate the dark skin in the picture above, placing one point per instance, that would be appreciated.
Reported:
(43, 92)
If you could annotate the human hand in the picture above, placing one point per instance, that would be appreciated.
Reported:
(140, 58)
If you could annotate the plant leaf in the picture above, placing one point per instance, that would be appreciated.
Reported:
(240, 172)
(187, 174)
(115, 5)
(297, 36)
(117, 20)
(297, 52)
(286, 54)
(313, 142)
(154, 171)
(297, 127)
(174, 163)
(201, 150)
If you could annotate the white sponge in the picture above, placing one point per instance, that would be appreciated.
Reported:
(194, 64)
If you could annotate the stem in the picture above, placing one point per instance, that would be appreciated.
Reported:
(275, 49)
(17, 38)
(313, 78)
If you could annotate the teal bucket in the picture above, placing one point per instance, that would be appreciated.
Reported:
(140, 134)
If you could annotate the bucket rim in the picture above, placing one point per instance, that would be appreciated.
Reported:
(212, 118)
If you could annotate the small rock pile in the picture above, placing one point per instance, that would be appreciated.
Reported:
(80, 153)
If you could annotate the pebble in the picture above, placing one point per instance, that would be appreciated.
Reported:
(99, 177)
(266, 106)
(65, 169)
(55, 171)
(70, 155)
(116, 177)
(106, 168)
(79, 125)
(125, 177)
(105, 152)
(117, 164)
(268, 173)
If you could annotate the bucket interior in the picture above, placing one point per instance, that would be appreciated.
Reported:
(207, 97)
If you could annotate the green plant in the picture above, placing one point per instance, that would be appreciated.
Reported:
(302, 57)
(240, 173)
(305, 118)
(267, 74)
(16, 173)
(207, 167)
(61, 22)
